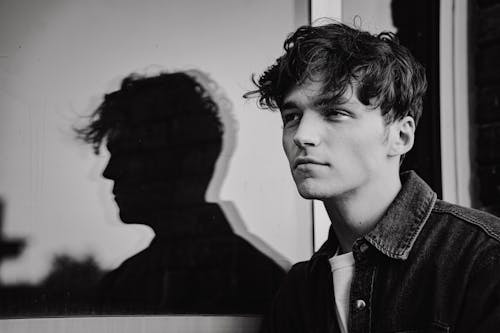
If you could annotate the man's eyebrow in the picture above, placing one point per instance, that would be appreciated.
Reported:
(288, 105)
(324, 101)
(329, 101)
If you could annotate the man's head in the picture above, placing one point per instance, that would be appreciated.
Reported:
(350, 101)
(164, 137)
(384, 72)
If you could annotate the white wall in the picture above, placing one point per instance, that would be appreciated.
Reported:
(57, 59)
(374, 15)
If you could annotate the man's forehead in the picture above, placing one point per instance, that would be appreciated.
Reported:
(316, 93)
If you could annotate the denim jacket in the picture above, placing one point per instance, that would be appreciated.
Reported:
(427, 266)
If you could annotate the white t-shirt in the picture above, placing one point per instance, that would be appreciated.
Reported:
(342, 272)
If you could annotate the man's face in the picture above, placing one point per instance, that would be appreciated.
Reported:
(334, 150)
(154, 168)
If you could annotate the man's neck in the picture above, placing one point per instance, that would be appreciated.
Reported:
(354, 215)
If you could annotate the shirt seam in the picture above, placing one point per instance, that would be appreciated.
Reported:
(469, 219)
(370, 313)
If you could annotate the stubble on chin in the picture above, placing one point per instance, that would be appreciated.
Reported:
(308, 189)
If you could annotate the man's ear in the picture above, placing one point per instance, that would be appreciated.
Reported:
(403, 136)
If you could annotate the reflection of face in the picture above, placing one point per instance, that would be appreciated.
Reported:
(128, 169)
(151, 173)
(333, 150)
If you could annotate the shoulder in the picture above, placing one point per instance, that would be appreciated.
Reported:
(305, 276)
(137, 267)
(466, 237)
(298, 272)
(296, 279)
(469, 219)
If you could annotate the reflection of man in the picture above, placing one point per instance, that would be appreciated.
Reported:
(164, 137)
(397, 259)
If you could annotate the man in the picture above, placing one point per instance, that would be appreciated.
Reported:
(397, 259)
(164, 135)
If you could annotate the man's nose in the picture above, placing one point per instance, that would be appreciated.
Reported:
(113, 169)
(308, 131)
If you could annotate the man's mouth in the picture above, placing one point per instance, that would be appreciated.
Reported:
(307, 160)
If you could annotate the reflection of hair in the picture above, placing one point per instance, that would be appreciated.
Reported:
(340, 56)
(150, 99)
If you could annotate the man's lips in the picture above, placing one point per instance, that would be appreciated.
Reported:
(307, 160)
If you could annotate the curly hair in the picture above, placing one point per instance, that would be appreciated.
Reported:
(150, 99)
(384, 72)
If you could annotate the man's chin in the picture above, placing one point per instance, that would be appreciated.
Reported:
(310, 191)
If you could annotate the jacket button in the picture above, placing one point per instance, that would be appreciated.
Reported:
(360, 304)
(363, 248)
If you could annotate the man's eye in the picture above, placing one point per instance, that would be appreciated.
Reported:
(290, 118)
(336, 114)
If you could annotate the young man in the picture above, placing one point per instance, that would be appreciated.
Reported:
(397, 259)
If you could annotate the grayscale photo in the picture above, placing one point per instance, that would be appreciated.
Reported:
(249, 166)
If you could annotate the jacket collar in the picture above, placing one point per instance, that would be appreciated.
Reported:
(401, 224)
(397, 231)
